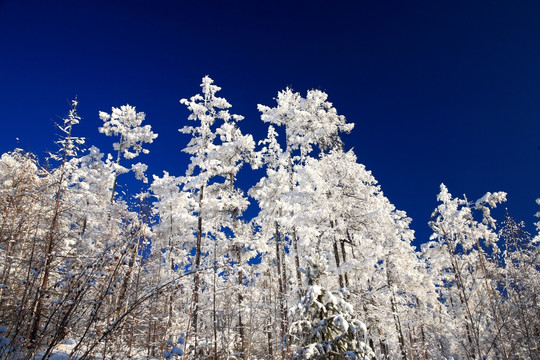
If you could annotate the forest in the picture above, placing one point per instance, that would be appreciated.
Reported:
(323, 269)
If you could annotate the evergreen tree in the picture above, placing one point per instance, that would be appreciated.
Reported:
(324, 325)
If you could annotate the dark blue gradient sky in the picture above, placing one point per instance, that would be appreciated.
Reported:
(440, 91)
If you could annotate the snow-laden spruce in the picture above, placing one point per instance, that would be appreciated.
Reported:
(324, 325)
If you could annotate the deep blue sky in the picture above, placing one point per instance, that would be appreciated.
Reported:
(440, 91)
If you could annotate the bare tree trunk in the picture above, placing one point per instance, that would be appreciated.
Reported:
(294, 234)
(336, 256)
(281, 295)
(214, 305)
(297, 264)
(120, 300)
(240, 300)
(344, 255)
(132, 330)
(196, 278)
(268, 326)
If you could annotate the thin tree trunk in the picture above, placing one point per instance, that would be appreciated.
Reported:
(214, 305)
(132, 330)
(294, 234)
(268, 329)
(120, 300)
(297, 263)
(336, 256)
(240, 301)
(196, 278)
(344, 255)
(282, 289)
(240, 298)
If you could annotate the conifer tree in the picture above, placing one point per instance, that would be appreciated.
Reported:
(324, 325)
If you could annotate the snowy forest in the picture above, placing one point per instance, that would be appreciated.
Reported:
(179, 269)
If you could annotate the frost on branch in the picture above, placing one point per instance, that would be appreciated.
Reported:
(139, 170)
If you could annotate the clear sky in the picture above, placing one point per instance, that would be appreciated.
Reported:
(440, 91)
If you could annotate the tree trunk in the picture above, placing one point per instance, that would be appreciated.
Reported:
(281, 295)
(336, 256)
(297, 263)
(196, 278)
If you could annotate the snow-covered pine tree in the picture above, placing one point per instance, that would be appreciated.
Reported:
(269, 192)
(311, 125)
(324, 325)
(233, 151)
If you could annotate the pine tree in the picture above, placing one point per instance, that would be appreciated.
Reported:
(324, 325)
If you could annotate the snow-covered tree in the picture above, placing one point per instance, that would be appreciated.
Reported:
(457, 261)
(517, 275)
(324, 325)
(311, 124)
(172, 239)
(66, 157)
(218, 153)
(125, 122)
